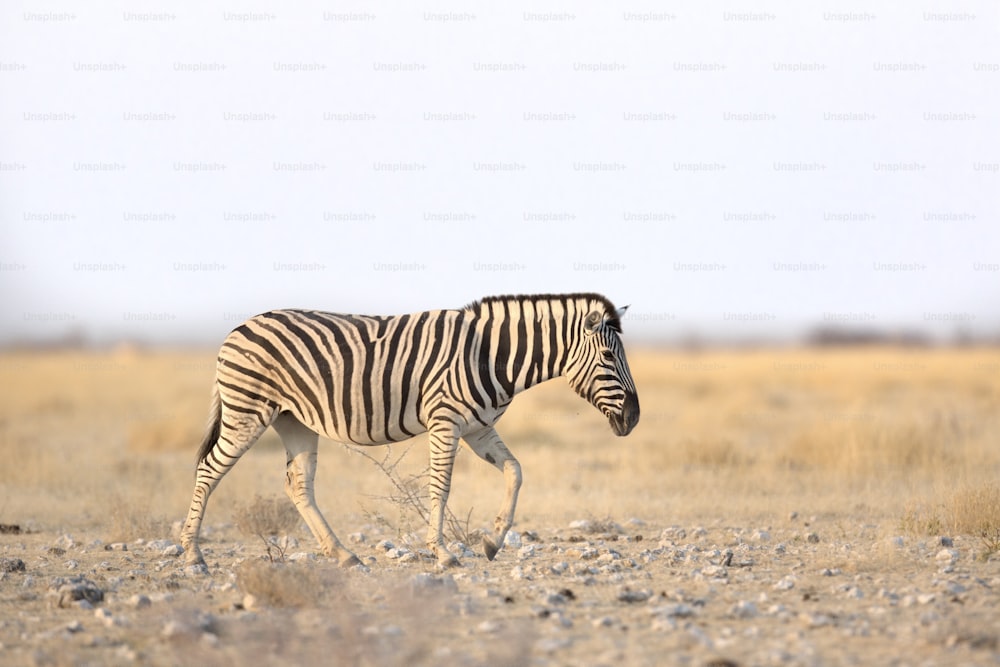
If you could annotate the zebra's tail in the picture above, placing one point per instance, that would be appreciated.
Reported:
(214, 423)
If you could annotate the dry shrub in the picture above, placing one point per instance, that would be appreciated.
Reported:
(408, 494)
(279, 584)
(267, 519)
(971, 510)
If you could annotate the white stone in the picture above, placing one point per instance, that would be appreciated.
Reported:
(743, 609)
(950, 555)
(784, 584)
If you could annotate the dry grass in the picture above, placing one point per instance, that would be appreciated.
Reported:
(756, 432)
(972, 510)
(279, 584)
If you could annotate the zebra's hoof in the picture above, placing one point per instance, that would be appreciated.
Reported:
(349, 561)
(490, 548)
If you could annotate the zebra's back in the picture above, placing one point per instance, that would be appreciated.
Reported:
(351, 378)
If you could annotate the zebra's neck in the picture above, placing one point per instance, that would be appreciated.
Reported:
(525, 340)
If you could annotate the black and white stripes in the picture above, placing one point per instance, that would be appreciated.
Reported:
(372, 380)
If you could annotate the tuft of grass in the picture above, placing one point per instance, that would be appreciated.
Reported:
(267, 519)
(279, 584)
(971, 510)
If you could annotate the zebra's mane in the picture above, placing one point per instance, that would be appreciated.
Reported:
(613, 321)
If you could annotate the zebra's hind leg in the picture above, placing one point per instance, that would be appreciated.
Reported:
(230, 435)
(489, 447)
(301, 444)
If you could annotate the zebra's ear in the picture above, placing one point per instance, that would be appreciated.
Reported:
(593, 322)
(621, 312)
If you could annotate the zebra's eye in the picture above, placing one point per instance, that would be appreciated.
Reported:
(608, 355)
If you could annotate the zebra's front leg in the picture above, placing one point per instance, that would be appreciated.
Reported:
(443, 446)
(489, 447)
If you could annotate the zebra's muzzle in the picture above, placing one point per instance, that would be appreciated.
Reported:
(622, 424)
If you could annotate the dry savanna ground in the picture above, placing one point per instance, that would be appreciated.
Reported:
(779, 507)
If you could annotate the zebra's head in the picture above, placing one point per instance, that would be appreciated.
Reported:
(598, 371)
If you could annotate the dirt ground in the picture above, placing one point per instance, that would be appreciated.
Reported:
(785, 507)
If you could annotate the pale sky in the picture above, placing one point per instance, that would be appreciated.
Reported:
(740, 173)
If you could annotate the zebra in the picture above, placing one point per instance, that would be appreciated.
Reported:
(375, 380)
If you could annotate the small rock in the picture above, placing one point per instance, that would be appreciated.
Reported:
(139, 601)
(815, 620)
(512, 540)
(556, 598)
(488, 627)
(584, 525)
(628, 595)
(714, 572)
(157, 545)
(784, 584)
(560, 567)
(65, 541)
(853, 592)
(926, 598)
(954, 588)
(604, 622)
(945, 541)
(173, 551)
(357, 538)
(553, 644)
(664, 624)
(74, 627)
(385, 545)
(678, 610)
(12, 565)
(761, 536)
(812, 538)
(428, 580)
(946, 555)
(929, 617)
(116, 546)
(897, 541)
(527, 551)
(743, 609)
(67, 592)
(107, 618)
